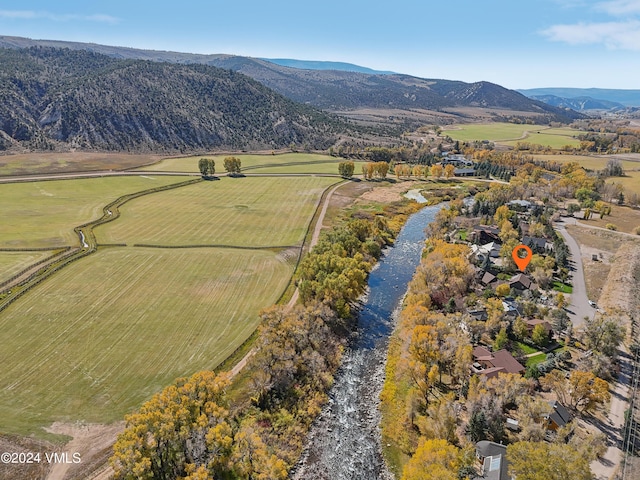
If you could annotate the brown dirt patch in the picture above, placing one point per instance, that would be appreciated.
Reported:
(621, 293)
(625, 218)
(92, 442)
(603, 245)
(66, 162)
(386, 193)
(18, 445)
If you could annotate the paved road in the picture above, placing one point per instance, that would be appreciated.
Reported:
(579, 306)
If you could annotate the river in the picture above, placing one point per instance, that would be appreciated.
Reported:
(344, 443)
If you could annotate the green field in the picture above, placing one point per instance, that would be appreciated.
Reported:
(330, 167)
(105, 333)
(588, 162)
(43, 214)
(298, 160)
(489, 131)
(267, 211)
(14, 262)
(509, 134)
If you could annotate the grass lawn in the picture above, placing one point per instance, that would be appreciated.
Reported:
(13, 262)
(231, 211)
(526, 349)
(43, 214)
(102, 335)
(562, 287)
(536, 359)
(190, 164)
(33, 163)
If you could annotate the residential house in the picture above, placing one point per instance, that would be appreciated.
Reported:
(537, 244)
(479, 314)
(483, 234)
(531, 324)
(511, 308)
(558, 418)
(488, 278)
(490, 364)
(493, 457)
(521, 282)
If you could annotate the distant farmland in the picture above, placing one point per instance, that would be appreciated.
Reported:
(509, 134)
(302, 163)
(246, 212)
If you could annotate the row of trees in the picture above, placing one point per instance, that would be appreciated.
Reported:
(207, 166)
(377, 170)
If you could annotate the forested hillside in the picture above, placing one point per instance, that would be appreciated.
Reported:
(59, 98)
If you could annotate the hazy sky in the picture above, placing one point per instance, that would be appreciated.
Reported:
(543, 43)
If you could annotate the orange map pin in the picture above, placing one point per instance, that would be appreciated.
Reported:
(522, 262)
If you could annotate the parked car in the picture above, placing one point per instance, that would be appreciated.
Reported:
(593, 304)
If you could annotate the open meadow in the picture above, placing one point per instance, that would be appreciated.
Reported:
(253, 163)
(587, 161)
(64, 162)
(246, 212)
(43, 214)
(107, 332)
(510, 134)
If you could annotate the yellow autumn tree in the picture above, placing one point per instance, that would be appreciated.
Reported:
(182, 431)
(433, 460)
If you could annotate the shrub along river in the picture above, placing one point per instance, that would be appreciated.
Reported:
(344, 443)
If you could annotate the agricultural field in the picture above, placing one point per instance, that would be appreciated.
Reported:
(245, 212)
(547, 137)
(252, 163)
(64, 162)
(43, 214)
(509, 134)
(488, 131)
(105, 333)
(587, 161)
(14, 262)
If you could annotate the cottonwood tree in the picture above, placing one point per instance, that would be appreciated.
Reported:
(207, 166)
(346, 169)
(540, 460)
(181, 431)
(433, 460)
(232, 165)
(603, 334)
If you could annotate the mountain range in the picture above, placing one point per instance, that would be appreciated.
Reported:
(626, 98)
(60, 98)
(104, 97)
